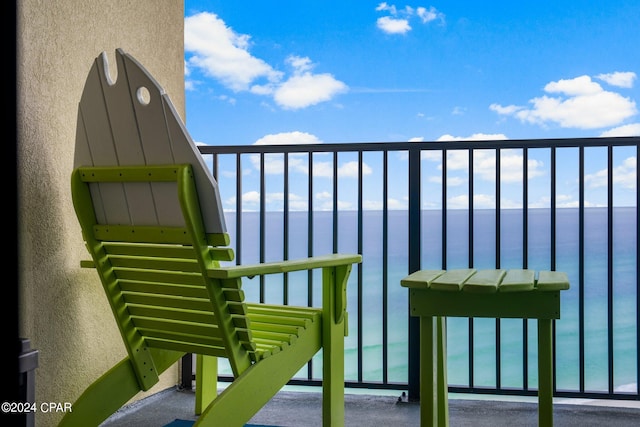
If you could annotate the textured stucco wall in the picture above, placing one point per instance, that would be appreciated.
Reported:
(62, 308)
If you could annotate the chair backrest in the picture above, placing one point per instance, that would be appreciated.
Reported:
(152, 221)
(132, 121)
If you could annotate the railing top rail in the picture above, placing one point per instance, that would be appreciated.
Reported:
(422, 145)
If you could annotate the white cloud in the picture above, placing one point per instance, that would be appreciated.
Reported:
(397, 22)
(624, 175)
(304, 88)
(393, 25)
(458, 202)
(386, 7)
(428, 15)
(251, 197)
(458, 111)
(455, 181)
(274, 162)
(618, 78)
(350, 170)
(480, 201)
(326, 202)
(580, 103)
(484, 162)
(295, 137)
(224, 55)
(392, 204)
(323, 195)
(632, 129)
(474, 137)
(346, 170)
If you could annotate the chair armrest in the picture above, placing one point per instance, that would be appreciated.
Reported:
(236, 271)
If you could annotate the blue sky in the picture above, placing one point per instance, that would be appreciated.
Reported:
(284, 72)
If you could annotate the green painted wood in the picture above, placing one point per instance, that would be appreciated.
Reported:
(321, 261)
(528, 305)
(552, 281)
(334, 329)
(434, 295)
(518, 281)
(206, 381)
(452, 280)
(545, 373)
(111, 391)
(484, 281)
(167, 289)
(421, 278)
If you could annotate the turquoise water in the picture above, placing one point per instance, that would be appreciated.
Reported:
(594, 288)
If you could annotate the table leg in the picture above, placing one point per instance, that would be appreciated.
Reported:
(434, 404)
(428, 399)
(441, 359)
(545, 373)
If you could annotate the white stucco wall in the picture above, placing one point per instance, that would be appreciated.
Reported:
(62, 309)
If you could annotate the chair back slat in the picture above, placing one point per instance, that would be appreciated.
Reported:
(132, 122)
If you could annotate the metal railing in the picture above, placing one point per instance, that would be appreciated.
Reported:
(481, 204)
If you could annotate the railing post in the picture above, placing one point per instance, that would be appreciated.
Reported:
(414, 265)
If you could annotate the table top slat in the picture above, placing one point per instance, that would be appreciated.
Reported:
(485, 281)
(452, 280)
(421, 278)
(552, 281)
(518, 281)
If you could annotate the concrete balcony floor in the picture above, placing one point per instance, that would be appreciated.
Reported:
(294, 408)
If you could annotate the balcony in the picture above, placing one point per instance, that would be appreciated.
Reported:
(564, 204)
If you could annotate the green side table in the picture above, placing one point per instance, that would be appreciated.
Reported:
(524, 294)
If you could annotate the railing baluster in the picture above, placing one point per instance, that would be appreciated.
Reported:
(359, 268)
(285, 227)
(610, 359)
(581, 267)
(385, 268)
(262, 223)
(415, 234)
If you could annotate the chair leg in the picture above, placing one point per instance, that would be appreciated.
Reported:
(333, 373)
(112, 390)
(105, 396)
(250, 391)
(206, 381)
(545, 373)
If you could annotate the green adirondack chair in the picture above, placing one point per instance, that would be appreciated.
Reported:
(152, 222)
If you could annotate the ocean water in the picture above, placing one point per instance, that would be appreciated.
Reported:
(369, 284)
